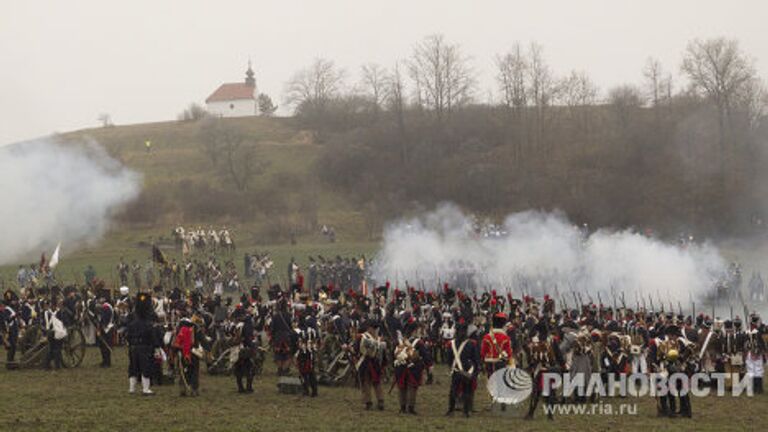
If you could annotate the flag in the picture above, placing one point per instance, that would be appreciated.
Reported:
(157, 256)
(55, 257)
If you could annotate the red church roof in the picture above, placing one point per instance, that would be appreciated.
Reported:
(231, 91)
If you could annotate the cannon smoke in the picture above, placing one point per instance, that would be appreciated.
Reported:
(543, 253)
(52, 192)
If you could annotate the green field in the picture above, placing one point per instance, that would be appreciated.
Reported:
(95, 399)
(136, 246)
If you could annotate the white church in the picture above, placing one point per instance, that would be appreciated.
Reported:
(235, 99)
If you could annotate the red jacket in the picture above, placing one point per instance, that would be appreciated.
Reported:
(491, 352)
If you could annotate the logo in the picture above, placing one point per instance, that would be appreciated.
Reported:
(510, 386)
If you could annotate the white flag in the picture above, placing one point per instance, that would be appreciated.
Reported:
(55, 257)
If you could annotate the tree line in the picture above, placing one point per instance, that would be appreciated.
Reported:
(667, 153)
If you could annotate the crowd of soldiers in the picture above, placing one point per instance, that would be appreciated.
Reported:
(334, 330)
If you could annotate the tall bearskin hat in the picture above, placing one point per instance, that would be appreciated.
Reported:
(143, 306)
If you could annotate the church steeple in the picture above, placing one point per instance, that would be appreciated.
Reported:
(249, 79)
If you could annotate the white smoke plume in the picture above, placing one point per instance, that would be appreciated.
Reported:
(53, 192)
(543, 253)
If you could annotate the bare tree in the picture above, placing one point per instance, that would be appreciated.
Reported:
(442, 76)
(395, 97)
(752, 102)
(315, 85)
(541, 89)
(511, 77)
(578, 92)
(235, 158)
(375, 83)
(625, 100)
(719, 70)
(192, 113)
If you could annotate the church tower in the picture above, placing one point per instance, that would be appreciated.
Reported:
(249, 79)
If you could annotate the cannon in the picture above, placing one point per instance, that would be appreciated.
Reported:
(33, 348)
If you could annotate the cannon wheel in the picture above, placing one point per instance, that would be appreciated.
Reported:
(73, 351)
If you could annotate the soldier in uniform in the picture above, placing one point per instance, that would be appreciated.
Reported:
(140, 336)
(732, 346)
(370, 348)
(756, 347)
(9, 327)
(496, 347)
(465, 368)
(543, 357)
(122, 270)
(90, 275)
(306, 354)
(244, 367)
(282, 338)
(411, 358)
(104, 331)
(186, 343)
(56, 332)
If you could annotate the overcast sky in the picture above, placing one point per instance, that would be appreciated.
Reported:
(62, 63)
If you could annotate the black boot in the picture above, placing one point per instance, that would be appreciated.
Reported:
(249, 384)
(380, 405)
(402, 409)
(368, 406)
(451, 405)
(412, 410)
(532, 407)
(550, 406)
(469, 399)
(240, 388)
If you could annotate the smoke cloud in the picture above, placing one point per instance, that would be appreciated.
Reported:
(51, 193)
(543, 253)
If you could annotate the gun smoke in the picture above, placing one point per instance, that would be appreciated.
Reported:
(543, 253)
(54, 193)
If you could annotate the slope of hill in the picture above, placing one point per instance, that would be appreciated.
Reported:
(183, 185)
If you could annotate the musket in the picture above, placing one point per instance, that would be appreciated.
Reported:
(600, 308)
(650, 299)
(679, 308)
(744, 305)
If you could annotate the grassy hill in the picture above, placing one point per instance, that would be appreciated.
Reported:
(183, 186)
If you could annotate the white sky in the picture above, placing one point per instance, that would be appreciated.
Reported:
(64, 62)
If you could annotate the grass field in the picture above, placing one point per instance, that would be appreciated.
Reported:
(95, 399)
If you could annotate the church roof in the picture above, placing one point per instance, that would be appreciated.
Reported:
(231, 91)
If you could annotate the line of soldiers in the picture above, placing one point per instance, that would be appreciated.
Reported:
(397, 336)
